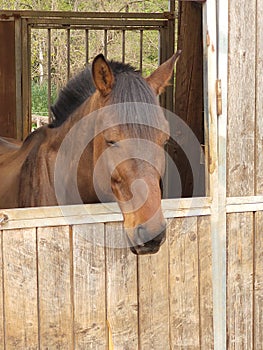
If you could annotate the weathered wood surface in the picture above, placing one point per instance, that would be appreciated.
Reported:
(97, 213)
(54, 281)
(20, 289)
(89, 286)
(191, 282)
(241, 162)
(258, 284)
(154, 300)
(259, 99)
(240, 274)
(59, 286)
(121, 290)
(2, 339)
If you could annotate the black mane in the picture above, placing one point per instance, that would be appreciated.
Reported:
(78, 89)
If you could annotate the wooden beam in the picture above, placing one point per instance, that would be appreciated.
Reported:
(7, 80)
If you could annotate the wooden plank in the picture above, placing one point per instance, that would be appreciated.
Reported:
(54, 278)
(92, 213)
(259, 99)
(205, 280)
(258, 287)
(184, 284)
(244, 204)
(122, 303)
(2, 335)
(20, 289)
(240, 281)
(244, 208)
(244, 200)
(8, 79)
(154, 300)
(241, 98)
(89, 287)
(77, 14)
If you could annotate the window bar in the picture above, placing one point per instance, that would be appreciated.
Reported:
(49, 71)
(141, 48)
(87, 45)
(123, 46)
(105, 43)
(68, 54)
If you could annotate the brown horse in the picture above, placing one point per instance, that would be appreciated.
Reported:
(106, 143)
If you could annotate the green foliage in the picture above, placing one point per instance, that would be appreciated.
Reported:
(40, 98)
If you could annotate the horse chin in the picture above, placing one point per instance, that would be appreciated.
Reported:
(144, 250)
(149, 247)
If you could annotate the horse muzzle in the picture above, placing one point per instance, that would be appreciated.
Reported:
(145, 242)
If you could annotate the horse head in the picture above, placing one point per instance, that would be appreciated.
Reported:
(128, 149)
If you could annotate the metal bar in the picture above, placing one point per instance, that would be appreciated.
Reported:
(105, 42)
(94, 27)
(87, 45)
(141, 49)
(68, 54)
(49, 71)
(123, 45)
(96, 22)
(26, 79)
(171, 6)
(170, 45)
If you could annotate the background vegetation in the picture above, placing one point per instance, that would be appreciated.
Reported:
(59, 68)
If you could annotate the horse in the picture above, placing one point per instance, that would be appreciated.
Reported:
(105, 143)
(8, 144)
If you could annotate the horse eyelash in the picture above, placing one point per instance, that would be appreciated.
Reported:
(111, 143)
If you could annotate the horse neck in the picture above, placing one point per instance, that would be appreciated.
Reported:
(75, 137)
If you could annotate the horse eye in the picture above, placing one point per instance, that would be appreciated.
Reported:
(166, 144)
(111, 143)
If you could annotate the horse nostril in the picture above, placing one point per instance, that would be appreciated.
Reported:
(143, 237)
(158, 240)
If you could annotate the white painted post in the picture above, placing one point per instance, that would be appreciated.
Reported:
(216, 143)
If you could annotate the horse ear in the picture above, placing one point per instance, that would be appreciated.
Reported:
(102, 75)
(159, 79)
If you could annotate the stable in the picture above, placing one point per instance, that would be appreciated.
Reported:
(63, 283)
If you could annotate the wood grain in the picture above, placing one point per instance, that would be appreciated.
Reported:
(184, 278)
(2, 335)
(89, 287)
(122, 301)
(20, 289)
(259, 100)
(240, 281)
(154, 300)
(258, 287)
(205, 281)
(241, 99)
(54, 276)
